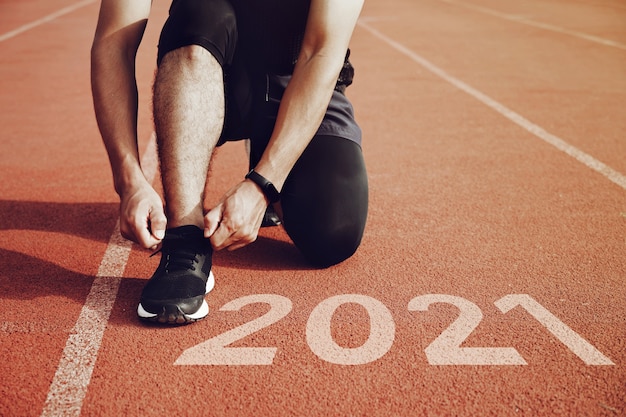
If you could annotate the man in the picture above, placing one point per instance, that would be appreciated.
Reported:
(272, 71)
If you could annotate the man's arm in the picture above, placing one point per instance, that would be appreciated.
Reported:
(326, 40)
(329, 29)
(120, 28)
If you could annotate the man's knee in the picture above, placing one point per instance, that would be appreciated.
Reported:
(327, 245)
(189, 56)
(211, 25)
(325, 200)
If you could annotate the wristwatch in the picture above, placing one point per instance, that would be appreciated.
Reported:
(266, 186)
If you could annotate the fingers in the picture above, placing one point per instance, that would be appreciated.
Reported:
(225, 232)
(142, 218)
(141, 229)
(232, 238)
(212, 220)
(158, 223)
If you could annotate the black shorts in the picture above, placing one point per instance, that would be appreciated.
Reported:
(253, 86)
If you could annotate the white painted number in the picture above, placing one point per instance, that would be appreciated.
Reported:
(583, 349)
(446, 350)
(215, 351)
(320, 339)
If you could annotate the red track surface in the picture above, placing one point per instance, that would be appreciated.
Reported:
(486, 126)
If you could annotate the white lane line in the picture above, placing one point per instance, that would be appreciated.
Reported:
(524, 20)
(44, 19)
(73, 375)
(588, 160)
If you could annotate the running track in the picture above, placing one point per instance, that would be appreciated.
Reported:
(491, 280)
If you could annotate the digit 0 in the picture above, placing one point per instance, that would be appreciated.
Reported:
(380, 340)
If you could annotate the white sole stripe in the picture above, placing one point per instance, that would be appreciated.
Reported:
(586, 159)
(202, 311)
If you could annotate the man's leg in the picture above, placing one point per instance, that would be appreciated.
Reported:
(196, 41)
(188, 116)
(325, 200)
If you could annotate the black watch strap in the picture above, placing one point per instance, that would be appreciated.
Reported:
(266, 186)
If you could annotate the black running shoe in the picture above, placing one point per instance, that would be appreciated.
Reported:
(175, 293)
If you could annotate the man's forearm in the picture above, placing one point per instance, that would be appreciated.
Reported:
(302, 109)
(119, 31)
(115, 102)
(329, 29)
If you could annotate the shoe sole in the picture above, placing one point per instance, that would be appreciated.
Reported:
(172, 314)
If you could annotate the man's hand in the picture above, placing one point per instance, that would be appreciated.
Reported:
(142, 218)
(235, 221)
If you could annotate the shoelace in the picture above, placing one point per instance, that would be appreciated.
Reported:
(179, 259)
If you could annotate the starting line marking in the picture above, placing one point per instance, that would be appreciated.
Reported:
(71, 380)
(588, 160)
(44, 19)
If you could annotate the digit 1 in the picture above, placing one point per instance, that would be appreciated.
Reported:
(581, 348)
